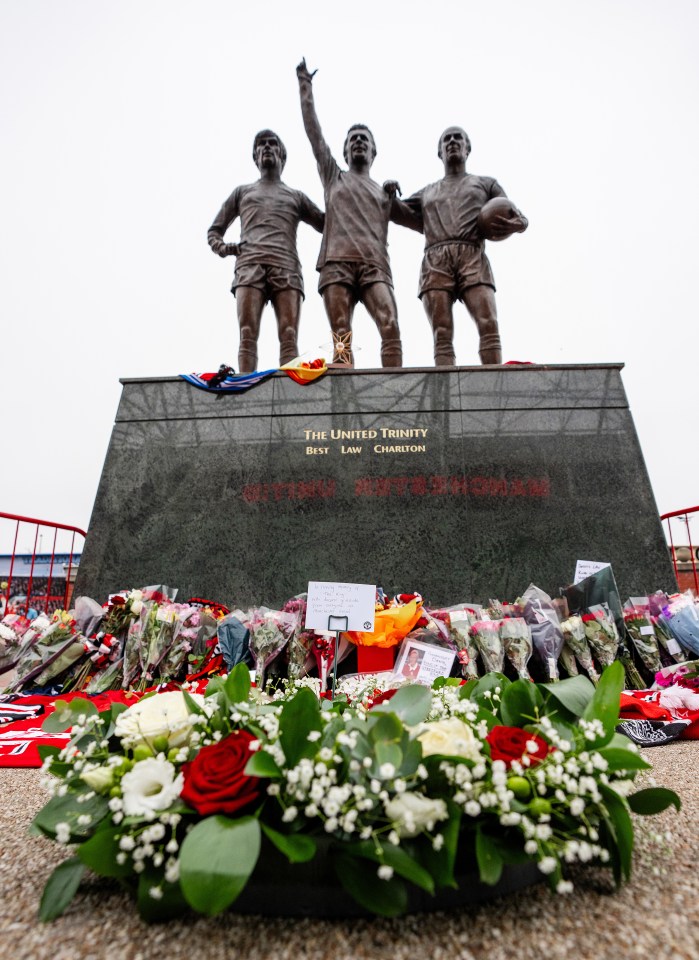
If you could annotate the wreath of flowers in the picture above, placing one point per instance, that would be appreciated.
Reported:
(181, 797)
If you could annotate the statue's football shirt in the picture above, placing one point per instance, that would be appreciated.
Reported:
(269, 214)
(449, 208)
(357, 211)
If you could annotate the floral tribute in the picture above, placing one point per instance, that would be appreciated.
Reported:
(182, 797)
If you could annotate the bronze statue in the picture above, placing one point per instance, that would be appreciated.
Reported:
(353, 262)
(456, 214)
(267, 265)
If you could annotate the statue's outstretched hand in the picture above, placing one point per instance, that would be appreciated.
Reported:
(303, 73)
(392, 187)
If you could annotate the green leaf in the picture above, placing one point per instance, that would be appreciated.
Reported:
(605, 703)
(214, 686)
(621, 741)
(563, 729)
(66, 809)
(67, 713)
(99, 854)
(487, 685)
(487, 717)
(388, 753)
(411, 704)
(296, 847)
(620, 826)
(237, 686)
(620, 759)
(466, 688)
(520, 703)
(653, 800)
(170, 905)
(412, 756)
(192, 705)
(385, 728)
(216, 860)
(298, 718)
(60, 889)
(59, 768)
(116, 709)
(573, 693)
(110, 718)
(262, 764)
(490, 862)
(398, 858)
(358, 876)
(440, 863)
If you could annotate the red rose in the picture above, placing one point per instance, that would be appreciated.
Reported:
(510, 743)
(214, 782)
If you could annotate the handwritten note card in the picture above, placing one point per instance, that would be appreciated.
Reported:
(339, 600)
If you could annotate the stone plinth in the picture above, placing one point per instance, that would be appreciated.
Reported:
(462, 483)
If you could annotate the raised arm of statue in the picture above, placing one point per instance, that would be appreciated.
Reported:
(321, 151)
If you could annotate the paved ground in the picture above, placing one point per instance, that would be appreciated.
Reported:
(652, 918)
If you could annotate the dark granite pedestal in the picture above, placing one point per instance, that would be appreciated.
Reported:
(462, 483)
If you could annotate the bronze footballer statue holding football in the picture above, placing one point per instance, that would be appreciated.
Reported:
(457, 214)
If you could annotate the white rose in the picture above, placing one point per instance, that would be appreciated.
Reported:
(452, 738)
(98, 778)
(162, 715)
(411, 813)
(151, 785)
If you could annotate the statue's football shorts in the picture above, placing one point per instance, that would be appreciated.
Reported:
(356, 274)
(268, 279)
(455, 266)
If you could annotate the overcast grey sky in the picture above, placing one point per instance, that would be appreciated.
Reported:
(126, 124)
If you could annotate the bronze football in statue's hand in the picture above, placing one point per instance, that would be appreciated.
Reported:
(499, 219)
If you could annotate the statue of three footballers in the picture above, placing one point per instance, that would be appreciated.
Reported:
(455, 214)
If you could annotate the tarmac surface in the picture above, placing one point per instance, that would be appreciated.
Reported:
(653, 917)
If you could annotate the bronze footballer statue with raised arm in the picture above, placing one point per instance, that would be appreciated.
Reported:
(353, 262)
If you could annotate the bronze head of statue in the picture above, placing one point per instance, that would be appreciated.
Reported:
(268, 150)
(454, 146)
(360, 146)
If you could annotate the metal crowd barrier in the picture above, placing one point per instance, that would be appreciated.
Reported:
(684, 558)
(41, 578)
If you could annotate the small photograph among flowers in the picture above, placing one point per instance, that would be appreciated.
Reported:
(423, 662)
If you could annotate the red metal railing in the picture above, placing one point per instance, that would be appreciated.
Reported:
(683, 515)
(59, 534)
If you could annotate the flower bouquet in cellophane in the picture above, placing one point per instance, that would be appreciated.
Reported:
(270, 631)
(486, 637)
(459, 620)
(639, 626)
(575, 639)
(516, 638)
